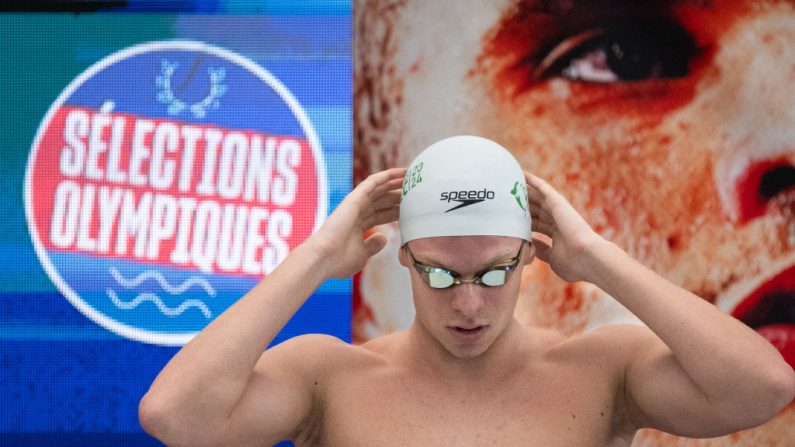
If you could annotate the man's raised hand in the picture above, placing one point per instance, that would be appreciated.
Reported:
(568, 235)
(340, 239)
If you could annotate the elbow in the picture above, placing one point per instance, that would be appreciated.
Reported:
(158, 421)
(782, 388)
(774, 393)
(163, 421)
(153, 417)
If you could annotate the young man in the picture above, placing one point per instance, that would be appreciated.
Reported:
(466, 372)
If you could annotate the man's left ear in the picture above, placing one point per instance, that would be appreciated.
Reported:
(403, 257)
(529, 253)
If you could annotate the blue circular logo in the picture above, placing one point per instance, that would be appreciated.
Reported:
(165, 182)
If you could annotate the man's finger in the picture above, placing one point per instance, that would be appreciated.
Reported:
(535, 182)
(539, 188)
(374, 243)
(537, 212)
(534, 195)
(373, 186)
(381, 217)
(385, 202)
(372, 182)
(542, 248)
(543, 227)
(387, 198)
(395, 183)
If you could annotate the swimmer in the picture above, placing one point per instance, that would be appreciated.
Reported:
(466, 372)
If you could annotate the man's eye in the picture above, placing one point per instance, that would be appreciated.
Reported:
(621, 53)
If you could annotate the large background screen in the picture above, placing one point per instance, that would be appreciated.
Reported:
(157, 161)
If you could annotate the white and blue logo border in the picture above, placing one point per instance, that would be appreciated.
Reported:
(124, 330)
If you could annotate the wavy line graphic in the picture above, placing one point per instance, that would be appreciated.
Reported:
(159, 303)
(174, 290)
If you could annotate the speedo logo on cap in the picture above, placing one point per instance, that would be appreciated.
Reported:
(466, 198)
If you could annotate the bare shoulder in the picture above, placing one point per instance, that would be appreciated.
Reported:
(319, 356)
(318, 352)
(610, 342)
(605, 352)
(310, 343)
(385, 345)
(622, 342)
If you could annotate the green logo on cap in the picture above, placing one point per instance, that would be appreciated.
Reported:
(519, 192)
(412, 178)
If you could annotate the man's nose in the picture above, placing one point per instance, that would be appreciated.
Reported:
(468, 299)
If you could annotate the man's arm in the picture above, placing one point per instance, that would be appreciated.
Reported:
(704, 373)
(221, 389)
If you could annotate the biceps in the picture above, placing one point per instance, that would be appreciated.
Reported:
(660, 394)
(272, 408)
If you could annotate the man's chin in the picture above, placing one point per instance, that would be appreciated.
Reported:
(468, 350)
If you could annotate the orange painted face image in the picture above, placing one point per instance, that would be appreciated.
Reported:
(669, 125)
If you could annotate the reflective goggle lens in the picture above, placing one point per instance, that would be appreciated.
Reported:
(494, 278)
(440, 279)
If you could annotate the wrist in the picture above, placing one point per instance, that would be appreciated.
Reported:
(596, 255)
(316, 256)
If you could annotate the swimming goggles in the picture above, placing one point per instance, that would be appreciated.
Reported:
(441, 278)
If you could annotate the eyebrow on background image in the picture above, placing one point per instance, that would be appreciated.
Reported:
(563, 6)
(528, 41)
(556, 16)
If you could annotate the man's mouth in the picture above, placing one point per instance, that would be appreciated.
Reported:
(770, 310)
(467, 331)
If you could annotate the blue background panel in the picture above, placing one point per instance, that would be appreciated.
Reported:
(65, 380)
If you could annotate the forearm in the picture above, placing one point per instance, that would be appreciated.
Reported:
(726, 359)
(207, 377)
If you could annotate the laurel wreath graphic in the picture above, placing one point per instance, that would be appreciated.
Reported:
(175, 105)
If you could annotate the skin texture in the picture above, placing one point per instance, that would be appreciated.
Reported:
(677, 167)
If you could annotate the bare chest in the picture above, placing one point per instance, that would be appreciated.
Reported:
(555, 408)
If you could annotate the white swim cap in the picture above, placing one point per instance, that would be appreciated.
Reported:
(464, 186)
